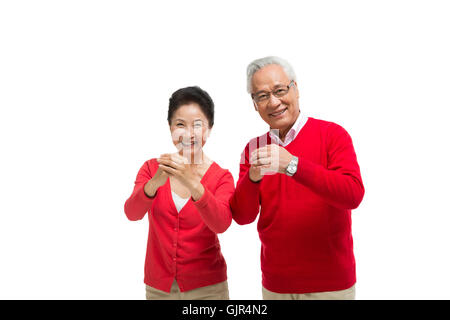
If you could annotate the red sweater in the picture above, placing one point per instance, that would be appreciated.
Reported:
(183, 245)
(305, 220)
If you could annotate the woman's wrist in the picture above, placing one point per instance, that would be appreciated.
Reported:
(150, 188)
(197, 190)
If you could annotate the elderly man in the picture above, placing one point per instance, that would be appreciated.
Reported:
(303, 179)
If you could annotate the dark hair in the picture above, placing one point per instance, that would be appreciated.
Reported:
(188, 95)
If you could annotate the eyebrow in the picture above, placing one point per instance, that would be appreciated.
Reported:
(185, 121)
(261, 91)
(265, 91)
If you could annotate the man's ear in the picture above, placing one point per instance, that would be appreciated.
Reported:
(297, 92)
(256, 107)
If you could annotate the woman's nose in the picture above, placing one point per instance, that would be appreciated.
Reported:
(191, 133)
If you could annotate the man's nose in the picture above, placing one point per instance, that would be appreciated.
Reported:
(273, 102)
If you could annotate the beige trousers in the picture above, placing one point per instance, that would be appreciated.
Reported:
(218, 291)
(347, 294)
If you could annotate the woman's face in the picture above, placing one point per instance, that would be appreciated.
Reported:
(190, 129)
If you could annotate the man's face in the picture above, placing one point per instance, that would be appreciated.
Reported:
(279, 113)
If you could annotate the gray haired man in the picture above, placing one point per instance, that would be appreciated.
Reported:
(302, 178)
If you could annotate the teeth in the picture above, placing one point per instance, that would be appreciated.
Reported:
(277, 114)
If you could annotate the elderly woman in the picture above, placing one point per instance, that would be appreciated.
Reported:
(186, 195)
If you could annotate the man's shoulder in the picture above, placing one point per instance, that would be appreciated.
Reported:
(329, 126)
(314, 123)
(253, 144)
(325, 126)
(259, 141)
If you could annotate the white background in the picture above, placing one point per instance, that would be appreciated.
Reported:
(84, 88)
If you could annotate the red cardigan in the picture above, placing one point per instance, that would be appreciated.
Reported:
(183, 245)
(305, 220)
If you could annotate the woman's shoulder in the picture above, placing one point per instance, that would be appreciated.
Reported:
(150, 165)
(219, 172)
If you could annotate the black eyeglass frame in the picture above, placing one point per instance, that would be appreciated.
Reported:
(273, 92)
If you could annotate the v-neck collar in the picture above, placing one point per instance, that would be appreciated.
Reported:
(169, 189)
(178, 201)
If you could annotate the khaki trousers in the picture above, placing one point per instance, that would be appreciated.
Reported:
(218, 291)
(347, 294)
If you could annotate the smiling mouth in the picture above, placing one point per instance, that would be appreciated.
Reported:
(190, 144)
(276, 114)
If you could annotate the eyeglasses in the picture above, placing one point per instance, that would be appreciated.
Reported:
(264, 96)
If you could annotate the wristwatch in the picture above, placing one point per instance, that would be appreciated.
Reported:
(292, 167)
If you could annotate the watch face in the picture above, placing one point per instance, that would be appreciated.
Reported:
(292, 167)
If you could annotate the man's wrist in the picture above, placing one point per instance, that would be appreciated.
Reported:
(250, 177)
(292, 167)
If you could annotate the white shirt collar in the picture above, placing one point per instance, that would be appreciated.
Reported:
(293, 132)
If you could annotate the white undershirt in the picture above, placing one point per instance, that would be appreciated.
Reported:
(179, 201)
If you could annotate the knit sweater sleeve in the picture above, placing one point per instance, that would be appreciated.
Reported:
(215, 208)
(340, 183)
(138, 204)
(245, 202)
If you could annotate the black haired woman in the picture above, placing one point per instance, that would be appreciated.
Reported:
(186, 196)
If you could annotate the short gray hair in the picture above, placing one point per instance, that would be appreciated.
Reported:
(257, 64)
